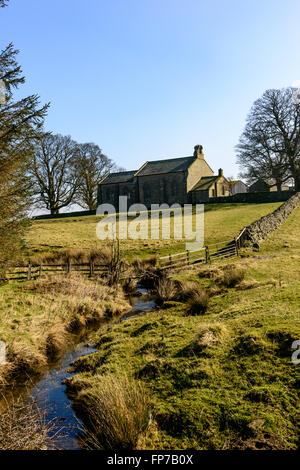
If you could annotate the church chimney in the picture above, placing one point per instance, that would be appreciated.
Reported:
(221, 172)
(198, 152)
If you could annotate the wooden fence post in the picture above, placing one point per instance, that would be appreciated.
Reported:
(29, 271)
(170, 258)
(236, 246)
(91, 268)
(207, 257)
(68, 265)
(187, 257)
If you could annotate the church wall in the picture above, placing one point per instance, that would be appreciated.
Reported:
(129, 190)
(108, 194)
(199, 197)
(167, 188)
(197, 170)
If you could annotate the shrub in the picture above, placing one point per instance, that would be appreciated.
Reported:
(23, 427)
(116, 413)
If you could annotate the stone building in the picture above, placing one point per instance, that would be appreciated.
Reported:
(268, 185)
(210, 187)
(237, 187)
(176, 180)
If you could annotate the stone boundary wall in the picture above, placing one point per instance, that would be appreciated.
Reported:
(261, 228)
(256, 198)
(64, 215)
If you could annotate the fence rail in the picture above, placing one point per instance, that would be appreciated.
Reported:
(33, 271)
(207, 254)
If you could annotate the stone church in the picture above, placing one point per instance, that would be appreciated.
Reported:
(176, 180)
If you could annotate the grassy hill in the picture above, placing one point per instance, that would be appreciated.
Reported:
(221, 380)
(222, 222)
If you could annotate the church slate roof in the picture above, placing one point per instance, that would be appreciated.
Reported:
(120, 177)
(172, 165)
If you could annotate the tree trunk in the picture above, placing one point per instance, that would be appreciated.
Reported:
(295, 171)
(54, 211)
(297, 184)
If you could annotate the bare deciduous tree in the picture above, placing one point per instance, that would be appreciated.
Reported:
(270, 144)
(55, 172)
(92, 164)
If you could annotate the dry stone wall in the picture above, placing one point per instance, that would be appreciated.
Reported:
(260, 229)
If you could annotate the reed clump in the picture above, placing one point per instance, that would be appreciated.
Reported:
(116, 413)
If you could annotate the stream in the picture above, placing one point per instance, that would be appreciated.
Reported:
(50, 394)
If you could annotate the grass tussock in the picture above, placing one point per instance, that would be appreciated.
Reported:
(194, 296)
(208, 337)
(186, 290)
(116, 413)
(23, 427)
(165, 290)
(198, 303)
(231, 276)
(248, 284)
(209, 272)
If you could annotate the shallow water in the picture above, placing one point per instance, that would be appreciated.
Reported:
(50, 394)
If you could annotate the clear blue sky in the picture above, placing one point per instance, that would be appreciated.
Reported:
(148, 79)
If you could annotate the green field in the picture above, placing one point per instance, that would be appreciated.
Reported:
(222, 222)
(220, 380)
(223, 380)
